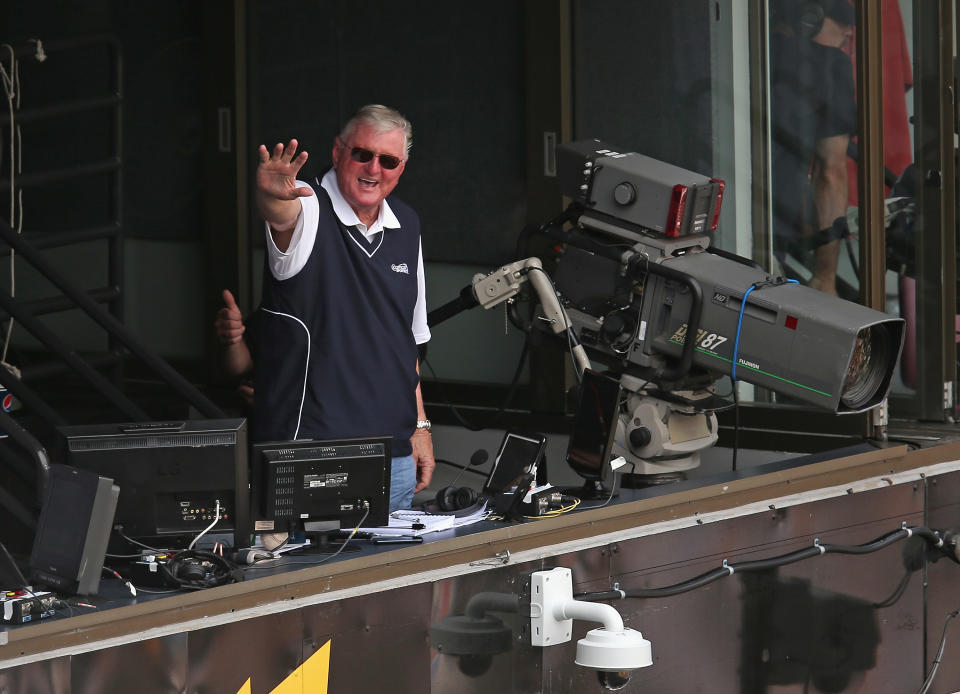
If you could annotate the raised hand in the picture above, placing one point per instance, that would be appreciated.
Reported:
(277, 172)
(277, 193)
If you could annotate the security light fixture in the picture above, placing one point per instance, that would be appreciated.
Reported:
(612, 648)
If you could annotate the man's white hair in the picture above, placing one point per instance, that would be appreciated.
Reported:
(382, 119)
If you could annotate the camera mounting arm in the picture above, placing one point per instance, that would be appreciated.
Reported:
(504, 283)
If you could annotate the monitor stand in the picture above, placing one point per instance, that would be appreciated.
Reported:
(326, 537)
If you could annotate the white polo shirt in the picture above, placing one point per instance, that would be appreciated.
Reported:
(284, 265)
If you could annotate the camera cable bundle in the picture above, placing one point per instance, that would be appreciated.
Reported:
(195, 569)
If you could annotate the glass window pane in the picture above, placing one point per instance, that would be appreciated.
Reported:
(900, 175)
(921, 241)
(813, 120)
(772, 110)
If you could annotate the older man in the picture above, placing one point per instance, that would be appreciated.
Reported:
(343, 305)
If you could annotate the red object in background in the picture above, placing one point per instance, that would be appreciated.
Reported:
(897, 80)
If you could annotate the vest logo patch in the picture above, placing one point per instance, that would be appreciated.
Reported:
(402, 267)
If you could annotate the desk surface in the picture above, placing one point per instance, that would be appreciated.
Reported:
(296, 581)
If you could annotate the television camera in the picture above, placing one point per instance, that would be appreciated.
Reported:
(639, 288)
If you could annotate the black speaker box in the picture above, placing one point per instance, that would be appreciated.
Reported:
(73, 531)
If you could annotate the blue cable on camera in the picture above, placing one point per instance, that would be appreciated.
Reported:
(743, 305)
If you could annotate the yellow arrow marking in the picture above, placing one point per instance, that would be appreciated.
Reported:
(310, 678)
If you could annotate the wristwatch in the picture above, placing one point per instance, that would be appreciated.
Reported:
(424, 424)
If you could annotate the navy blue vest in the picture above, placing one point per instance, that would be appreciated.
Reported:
(336, 355)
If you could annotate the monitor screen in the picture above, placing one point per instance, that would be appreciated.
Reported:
(171, 475)
(594, 425)
(519, 455)
(337, 481)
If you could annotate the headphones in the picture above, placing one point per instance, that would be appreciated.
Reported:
(804, 16)
(456, 498)
(810, 19)
(194, 569)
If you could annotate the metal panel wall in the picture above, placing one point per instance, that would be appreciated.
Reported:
(832, 623)
(44, 677)
(816, 625)
(154, 666)
(943, 511)
(265, 650)
(377, 643)
(517, 670)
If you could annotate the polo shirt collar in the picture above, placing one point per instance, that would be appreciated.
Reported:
(345, 213)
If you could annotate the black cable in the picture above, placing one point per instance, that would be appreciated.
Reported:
(570, 214)
(155, 550)
(936, 661)
(156, 592)
(613, 491)
(571, 339)
(25, 587)
(63, 604)
(884, 541)
(461, 468)
(897, 592)
(23, 580)
(132, 588)
(211, 570)
(729, 569)
(506, 401)
(475, 459)
(736, 424)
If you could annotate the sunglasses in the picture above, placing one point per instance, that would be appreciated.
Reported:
(387, 161)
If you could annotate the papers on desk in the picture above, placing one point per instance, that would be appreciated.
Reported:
(413, 526)
(282, 549)
(417, 523)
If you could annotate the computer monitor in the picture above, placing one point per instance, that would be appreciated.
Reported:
(171, 476)
(594, 427)
(333, 483)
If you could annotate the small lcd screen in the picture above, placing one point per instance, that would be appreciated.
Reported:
(519, 455)
(594, 425)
